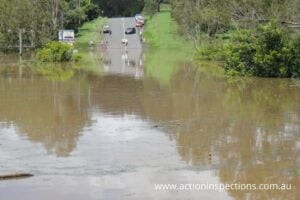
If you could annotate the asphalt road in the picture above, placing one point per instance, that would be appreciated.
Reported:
(118, 27)
(118, 59)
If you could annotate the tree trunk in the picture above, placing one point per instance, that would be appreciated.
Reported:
(158, 6)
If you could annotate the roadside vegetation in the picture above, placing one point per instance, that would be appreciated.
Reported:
(120, 8)
(162, 31)
(166, 49)
(39, 21)
(268, 51)
(56, 60)
(88, 37)
(90, 33)
(56, 52)
(250, 38)
(87, 44)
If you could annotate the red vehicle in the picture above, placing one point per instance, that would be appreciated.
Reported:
(139, 24)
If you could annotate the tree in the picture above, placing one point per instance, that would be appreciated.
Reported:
(39, 20)
(215, 16)
(120, 7)
(153, 6)
(150, 7)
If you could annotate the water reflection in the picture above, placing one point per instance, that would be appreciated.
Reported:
(245, 130)
(48, 112)
(55, 72)
(124, 61)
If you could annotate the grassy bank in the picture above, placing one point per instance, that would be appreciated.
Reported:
(90, 57)
(162, 31)
(167, 50)
(90, 31)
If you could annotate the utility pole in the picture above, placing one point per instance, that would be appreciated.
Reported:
(79, 11)
(62, 20)
(20, 42)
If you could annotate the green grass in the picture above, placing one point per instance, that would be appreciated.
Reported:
(162, 32)
(90, 57)
(167, 50)
(90, 31)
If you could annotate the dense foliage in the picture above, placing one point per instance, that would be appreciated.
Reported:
(266, 52)
(125, 8)
(56, 52)
(217, 16)
(269, 51)
(153, 6)
(39, 20)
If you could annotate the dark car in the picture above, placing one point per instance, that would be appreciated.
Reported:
(130, 31)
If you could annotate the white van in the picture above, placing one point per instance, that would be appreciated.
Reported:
(67, 36)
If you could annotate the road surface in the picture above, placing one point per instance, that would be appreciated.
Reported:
(119, 59)
(118, 27)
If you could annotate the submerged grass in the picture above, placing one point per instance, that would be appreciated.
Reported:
(90, 56)
(167, 49)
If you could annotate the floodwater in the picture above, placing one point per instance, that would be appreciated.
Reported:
(114, 134)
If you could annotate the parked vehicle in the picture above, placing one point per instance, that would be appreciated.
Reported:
(138, 24)
(141, 21)
(130, 31)
(67, 36)
(106, 30)
(139, 18)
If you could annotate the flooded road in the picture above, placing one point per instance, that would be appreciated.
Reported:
(86, 135)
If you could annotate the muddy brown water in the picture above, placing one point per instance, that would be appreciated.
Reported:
(114, 136)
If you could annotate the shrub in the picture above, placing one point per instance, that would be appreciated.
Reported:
(272, 50)
(293, 69)
(77, 57)
(239, 54)
(266, 52)
(55, 52)
(214, 50)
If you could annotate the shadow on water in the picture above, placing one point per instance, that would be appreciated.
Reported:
(245, 129)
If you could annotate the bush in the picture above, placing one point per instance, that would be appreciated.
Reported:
(239, 54)
(293, 67)
(77, 57)
(55, 52)
(214, 50)
(266, 52)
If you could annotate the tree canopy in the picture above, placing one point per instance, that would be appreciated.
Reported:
(39, 20)
(213, 16)
(112, 8)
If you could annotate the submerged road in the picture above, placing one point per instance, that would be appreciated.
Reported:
(118, 59)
